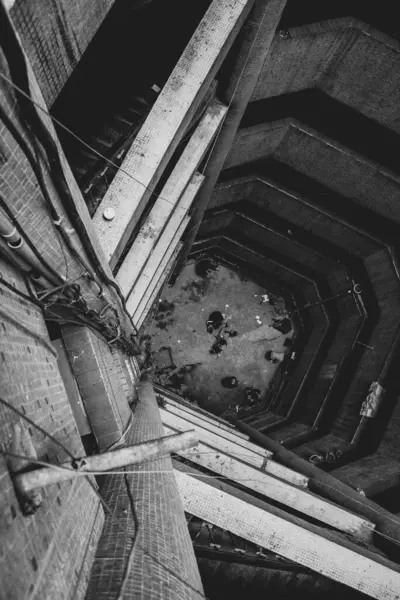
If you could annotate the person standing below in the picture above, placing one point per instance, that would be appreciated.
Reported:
(229, 382)
(214, 321)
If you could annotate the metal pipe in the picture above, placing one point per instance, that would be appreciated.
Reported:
(326, 485)
(18, 247)
(31, 480)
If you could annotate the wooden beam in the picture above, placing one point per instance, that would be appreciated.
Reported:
(166, 206)
(292, 538)
(277, 484)
(179, 401)
(237, 470)
(27, 481)
(157, 253)
(252, 50)
(234, 447)
(167, 122)
(210, 425)
(330, 487)
(185, 408)
(159, 285)
(137, 305)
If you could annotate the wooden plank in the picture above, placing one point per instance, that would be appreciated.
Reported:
(159, 285)
(211, 425)
(161, 247)
(324, 554)
(136, 305)
(180, 416)
(185, 408)
(233, 448)
(179, 401)
(277, 484)
(165, 207)
(234, 469)
(167, 122)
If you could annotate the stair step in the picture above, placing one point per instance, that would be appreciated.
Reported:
(265, 419)
(124, 120)
(288, 430)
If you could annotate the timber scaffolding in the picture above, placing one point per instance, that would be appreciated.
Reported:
(231, 477)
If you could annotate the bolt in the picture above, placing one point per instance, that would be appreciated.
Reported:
(109, 213)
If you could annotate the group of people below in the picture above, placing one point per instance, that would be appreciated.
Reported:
(252, 395)
(221, 330)
(217, 323)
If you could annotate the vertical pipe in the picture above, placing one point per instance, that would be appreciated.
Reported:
(256, 39)
(162, 565)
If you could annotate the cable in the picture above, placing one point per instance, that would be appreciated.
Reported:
(17, 323)
(18, 292)
(51, 150)
(129, 562)
(55, 441)
(125, 472)
(79, 139)
(45, 308)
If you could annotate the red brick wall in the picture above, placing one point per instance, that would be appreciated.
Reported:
(163, 565)
(42, 555)
(55, 36)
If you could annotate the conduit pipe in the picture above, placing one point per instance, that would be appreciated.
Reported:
(23, 254)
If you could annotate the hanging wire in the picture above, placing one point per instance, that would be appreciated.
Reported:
(16, 321)
(55, 441)
(78, 138)
(124, 472)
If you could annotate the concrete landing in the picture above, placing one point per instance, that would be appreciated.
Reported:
(181, 325)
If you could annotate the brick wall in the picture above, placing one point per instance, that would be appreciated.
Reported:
(102, 382)
(55, 36)
(49, 554)
(163, 565)
(46, 555)
(20, 189)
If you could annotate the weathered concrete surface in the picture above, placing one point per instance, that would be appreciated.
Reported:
(298, 210)
(322, 159)
(192, 299)
(331, 56)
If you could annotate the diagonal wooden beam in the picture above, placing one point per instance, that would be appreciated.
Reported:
(279, 484)
(247, 451)
(167, 122)
(323, 552)
(256, 39)
(165, 207)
